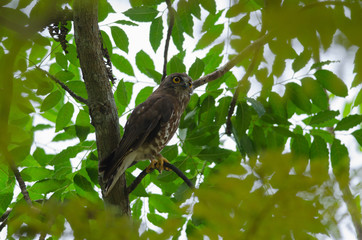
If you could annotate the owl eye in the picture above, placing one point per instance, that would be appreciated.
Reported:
(176, 79)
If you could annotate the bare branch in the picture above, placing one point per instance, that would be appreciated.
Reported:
(143, 174)
(224, 69)
(171, 16)
(65, 87)
(21, 183)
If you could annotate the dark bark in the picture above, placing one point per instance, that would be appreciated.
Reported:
(102, 107)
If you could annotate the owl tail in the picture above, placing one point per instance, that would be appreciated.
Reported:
(110, 173)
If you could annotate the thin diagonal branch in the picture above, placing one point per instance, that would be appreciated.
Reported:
(171, 16)
(224, 69)
(21, 183)
(241, 84)
(144, 173)
(4, 219)
(65, 87)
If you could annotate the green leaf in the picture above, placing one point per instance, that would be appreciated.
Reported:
(37, 53)
(301, 60)
(104, 8)
(141, 14)
(47, 186)
(61, 60)
(107, 42)
(122, 64)
(210, 21)
(137, 208)
(331, 82)
(210, 36)
(64, 116)
(155, 219)
(349, 122)
(78, 87)
(62, 158)
(340, 162)
(196, 69)
(32, 174)
(358, 100)
(315, 92)
(278, 66)
(277, 105)
(23, 4)
(243, 7)
(319, 65)
(300, 146)
(120, 38)
(72, 55)
(156, 33)
(319, 159)
(40, 127)
(175, 65)
(358, 136)
(209, 5)
(323, 117)
(170, 152)
(83, 183)
(295, 93)
(41, 157)
(82, 127)
(144, 62)
(51, 100)
(214, 154)
(162, 203)
(177, 33)
(143, 95)
(121, 93)
(125, 22)
(357, 68)
(258, 107)
(64, 75)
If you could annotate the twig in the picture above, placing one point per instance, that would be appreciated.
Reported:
(65, 87)
(143, 174)
(221, 71)
(21, 184)
(4, 219)
(237, 91)
(169, 32)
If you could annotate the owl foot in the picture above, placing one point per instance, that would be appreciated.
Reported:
(160, 162)
(157, 164)
(152, 166)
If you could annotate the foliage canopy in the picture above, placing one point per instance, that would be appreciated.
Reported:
(290, 108)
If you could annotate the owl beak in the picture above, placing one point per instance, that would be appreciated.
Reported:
(188, 85)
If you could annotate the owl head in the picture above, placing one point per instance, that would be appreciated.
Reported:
(178, 83)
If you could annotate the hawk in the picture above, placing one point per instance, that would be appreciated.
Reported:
(149, 128)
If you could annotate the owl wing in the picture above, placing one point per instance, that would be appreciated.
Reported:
(145, 119)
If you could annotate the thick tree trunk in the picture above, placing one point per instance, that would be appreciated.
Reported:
(102, 107)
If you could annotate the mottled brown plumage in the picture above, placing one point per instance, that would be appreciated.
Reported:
(149, 128)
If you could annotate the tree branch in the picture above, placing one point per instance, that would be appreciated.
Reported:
(21, 183)
(171, 16)
(143, 174)
(65, 87)
(4, 219)
(224, 69)
(241, 84)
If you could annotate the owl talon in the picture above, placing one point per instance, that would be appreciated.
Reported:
(152, 166)
(159, 164)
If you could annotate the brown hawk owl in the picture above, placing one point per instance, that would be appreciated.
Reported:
(149, 128)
